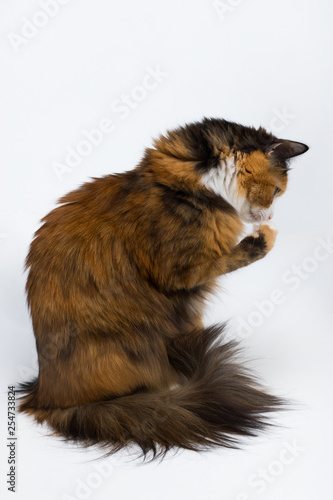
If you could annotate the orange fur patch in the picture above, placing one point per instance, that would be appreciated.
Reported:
(258, 179)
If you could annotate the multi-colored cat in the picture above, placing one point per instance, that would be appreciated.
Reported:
(118, 276)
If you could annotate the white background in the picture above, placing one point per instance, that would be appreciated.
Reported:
(256, 62)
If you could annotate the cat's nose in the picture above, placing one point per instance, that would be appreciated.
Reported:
(269, 218)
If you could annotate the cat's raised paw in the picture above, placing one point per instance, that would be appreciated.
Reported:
(270, 232)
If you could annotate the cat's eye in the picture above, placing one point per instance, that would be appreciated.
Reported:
(277, 190)
(248, 171)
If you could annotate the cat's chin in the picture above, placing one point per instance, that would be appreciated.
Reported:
(254, 221)
(251, 218)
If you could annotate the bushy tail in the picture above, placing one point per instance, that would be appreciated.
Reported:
(218, 403)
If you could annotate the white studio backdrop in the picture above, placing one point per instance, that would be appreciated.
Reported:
(84, 88)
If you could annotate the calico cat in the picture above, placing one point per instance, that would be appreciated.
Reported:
(118, 276)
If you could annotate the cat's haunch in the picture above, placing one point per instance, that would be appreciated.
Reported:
(118, 276)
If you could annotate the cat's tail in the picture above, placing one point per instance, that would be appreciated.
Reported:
(219, 402)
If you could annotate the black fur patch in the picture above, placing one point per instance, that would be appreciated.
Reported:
(196, 202)
(204, 140)
(254, 246)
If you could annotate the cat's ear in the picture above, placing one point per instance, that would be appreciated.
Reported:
(284, 149)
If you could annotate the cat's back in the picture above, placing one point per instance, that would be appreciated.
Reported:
(83, 234)
(83, 213)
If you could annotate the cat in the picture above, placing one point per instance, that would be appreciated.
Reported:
(118, 276)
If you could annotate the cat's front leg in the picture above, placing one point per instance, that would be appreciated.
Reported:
(198, 269)
(252, 248)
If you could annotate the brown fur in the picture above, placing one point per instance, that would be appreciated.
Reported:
(118, 274)
(259, 178)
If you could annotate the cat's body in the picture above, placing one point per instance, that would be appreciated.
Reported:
(118, 277)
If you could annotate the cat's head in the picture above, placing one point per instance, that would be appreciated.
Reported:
(252, 181)
(248, 167)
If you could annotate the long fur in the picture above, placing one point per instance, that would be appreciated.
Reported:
(218, 403)
(118, 276)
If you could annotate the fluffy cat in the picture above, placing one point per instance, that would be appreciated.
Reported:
(118, 275)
